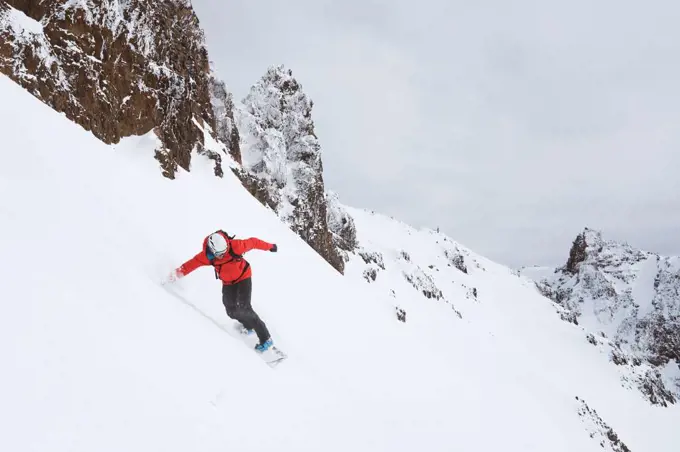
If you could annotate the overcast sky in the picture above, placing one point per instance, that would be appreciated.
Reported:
(511, 125)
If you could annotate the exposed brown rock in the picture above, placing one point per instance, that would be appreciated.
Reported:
(258, 188)
(113, 78)
(311, 222)
(577, 254)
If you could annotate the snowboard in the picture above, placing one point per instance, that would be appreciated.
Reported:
(272, 357)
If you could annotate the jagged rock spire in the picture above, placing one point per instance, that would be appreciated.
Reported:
(279, 146)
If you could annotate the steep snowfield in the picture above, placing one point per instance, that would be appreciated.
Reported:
(537, 273)
(504, 337)
(96, 355)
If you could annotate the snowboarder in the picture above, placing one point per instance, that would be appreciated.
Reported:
(225, 254)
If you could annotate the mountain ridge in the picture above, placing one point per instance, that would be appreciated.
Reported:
(627, 296)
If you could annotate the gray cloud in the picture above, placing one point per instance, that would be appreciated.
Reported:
(510, 125)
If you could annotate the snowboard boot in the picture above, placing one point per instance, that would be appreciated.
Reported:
(265, 346)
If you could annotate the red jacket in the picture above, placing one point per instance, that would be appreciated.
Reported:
(227, 269)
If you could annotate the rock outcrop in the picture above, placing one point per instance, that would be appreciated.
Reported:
(117, 68)
(341, 224)
(599, 430)
(282, 158)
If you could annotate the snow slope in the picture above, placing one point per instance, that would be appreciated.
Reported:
(96, 355)
(502, 334)
(536, 272)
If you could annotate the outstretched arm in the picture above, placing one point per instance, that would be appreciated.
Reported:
(243, 246)
(192, 264)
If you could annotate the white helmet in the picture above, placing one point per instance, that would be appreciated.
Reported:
(217, 244)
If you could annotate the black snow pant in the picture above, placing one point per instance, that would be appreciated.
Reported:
(236, 299)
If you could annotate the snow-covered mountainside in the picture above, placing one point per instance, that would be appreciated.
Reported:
(280, 149)
(97, 355)
(116, 67)
(630, 300)
(124, 68)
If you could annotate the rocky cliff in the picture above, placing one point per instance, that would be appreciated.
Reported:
(116, 67)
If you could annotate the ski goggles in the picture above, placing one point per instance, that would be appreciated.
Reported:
(211, 255)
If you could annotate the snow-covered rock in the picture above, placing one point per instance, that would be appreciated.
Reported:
(599, 430)
(340, 223)
(223, 109)
(280, 149)
(116, 67)
(410, 266)
(631, 297)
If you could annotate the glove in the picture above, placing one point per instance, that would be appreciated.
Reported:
(171, 278)
(274, 248)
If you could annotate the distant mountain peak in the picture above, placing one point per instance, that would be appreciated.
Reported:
(591, 248)
(627, 295)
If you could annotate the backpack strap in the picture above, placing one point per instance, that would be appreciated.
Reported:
(245, 269)
(234, 257)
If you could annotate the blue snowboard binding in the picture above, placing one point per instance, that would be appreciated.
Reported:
(261, 348)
